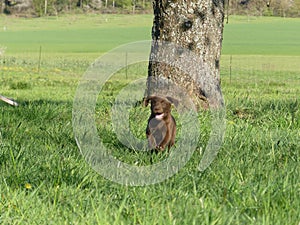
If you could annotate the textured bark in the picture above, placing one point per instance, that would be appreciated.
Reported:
(193, 26)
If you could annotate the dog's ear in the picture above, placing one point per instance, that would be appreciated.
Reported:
(147, 100)
(173, 100)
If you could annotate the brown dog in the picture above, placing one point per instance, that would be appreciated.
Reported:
(161, 128)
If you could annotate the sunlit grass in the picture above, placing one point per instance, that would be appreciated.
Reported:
(44, 178)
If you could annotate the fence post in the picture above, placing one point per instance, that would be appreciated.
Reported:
(126, 65)
(230, 68)
(40, 58)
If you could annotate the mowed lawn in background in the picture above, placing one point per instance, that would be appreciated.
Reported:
(100, 33)
(45, 180)
(74, 34)
(261, 36)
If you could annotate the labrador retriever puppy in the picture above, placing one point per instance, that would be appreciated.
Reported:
(161, 128)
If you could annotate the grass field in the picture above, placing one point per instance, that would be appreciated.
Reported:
(45, 180)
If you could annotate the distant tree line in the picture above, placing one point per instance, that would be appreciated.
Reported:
(55, 7)
(284, 8)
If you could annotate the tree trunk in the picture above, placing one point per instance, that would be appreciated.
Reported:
(193, 29)
(45, 8)
(133, 6)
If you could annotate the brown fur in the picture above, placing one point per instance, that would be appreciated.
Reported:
(161, 128)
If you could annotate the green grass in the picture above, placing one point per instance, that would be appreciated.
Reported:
(262, 36)
(45, 180)
(73, 34)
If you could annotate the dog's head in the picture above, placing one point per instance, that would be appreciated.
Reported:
(160, 106)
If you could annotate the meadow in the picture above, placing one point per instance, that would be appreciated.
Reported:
(45, 180)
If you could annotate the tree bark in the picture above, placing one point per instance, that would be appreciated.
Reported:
(45, 7)
(193, 28)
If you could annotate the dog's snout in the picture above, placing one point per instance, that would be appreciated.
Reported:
(157, 108)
